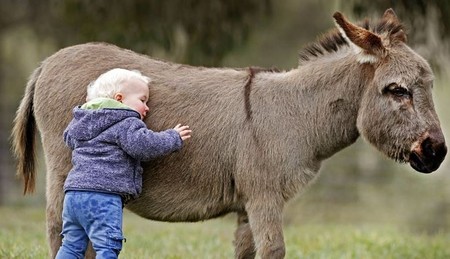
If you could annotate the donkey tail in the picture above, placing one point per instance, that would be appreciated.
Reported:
(23, 135)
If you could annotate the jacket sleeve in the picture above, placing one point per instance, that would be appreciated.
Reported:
(144, 144)
(67, 139)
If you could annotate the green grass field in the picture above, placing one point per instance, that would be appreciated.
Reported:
(22, 235)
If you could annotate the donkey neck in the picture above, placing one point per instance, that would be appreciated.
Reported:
(333, 89)
(324, 98)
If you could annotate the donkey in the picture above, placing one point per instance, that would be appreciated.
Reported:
(259, 136)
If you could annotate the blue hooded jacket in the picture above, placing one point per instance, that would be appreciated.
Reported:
(108, 145)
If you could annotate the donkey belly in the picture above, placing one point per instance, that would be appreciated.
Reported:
(181, 202)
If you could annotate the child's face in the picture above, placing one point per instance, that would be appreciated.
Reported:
(134, 93)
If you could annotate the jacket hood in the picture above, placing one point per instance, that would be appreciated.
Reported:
(88, 124)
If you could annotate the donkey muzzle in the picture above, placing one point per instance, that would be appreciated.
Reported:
(428, 152)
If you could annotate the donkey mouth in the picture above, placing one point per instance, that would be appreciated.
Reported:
(427, 162)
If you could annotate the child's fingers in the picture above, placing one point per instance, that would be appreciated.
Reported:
(185, 134)
(181, 128)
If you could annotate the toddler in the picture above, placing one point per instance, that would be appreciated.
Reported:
(109, 140)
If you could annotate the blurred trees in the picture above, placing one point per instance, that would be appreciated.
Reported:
(409, 10)
(208, 29)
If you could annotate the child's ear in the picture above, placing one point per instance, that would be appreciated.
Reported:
(118, 97)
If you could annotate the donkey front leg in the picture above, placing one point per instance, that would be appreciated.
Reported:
(265, 218)
(244, 245)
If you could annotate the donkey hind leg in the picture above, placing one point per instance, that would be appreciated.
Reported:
(243, 243)
(53, 231)
(55, 199)
(265, 218)
(54, 219)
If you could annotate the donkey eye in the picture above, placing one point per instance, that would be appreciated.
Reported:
(396, 90)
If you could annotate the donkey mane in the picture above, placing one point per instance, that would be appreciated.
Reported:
(388, 26)
(332, 41)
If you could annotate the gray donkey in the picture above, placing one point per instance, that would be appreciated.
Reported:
(260, 136)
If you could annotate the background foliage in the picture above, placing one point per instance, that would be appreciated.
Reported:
(357, 185)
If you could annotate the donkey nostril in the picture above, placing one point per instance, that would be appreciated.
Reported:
(427, 148)
(429, 156)
(434, 150)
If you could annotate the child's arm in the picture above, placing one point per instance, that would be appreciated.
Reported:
(144, 144)
(67, 139)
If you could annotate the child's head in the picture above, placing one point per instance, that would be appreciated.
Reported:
(126, 86)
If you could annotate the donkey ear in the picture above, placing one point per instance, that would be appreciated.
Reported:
(390, 16)
(369, 45)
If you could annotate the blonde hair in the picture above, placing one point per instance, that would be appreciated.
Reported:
(110, 82)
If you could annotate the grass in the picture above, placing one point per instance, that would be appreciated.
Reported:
(22, 235)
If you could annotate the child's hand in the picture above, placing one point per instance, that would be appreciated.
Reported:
(184, 131)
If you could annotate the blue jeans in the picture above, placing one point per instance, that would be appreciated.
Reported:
(91, 216)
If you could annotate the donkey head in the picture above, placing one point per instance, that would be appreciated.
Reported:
(396, 112)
